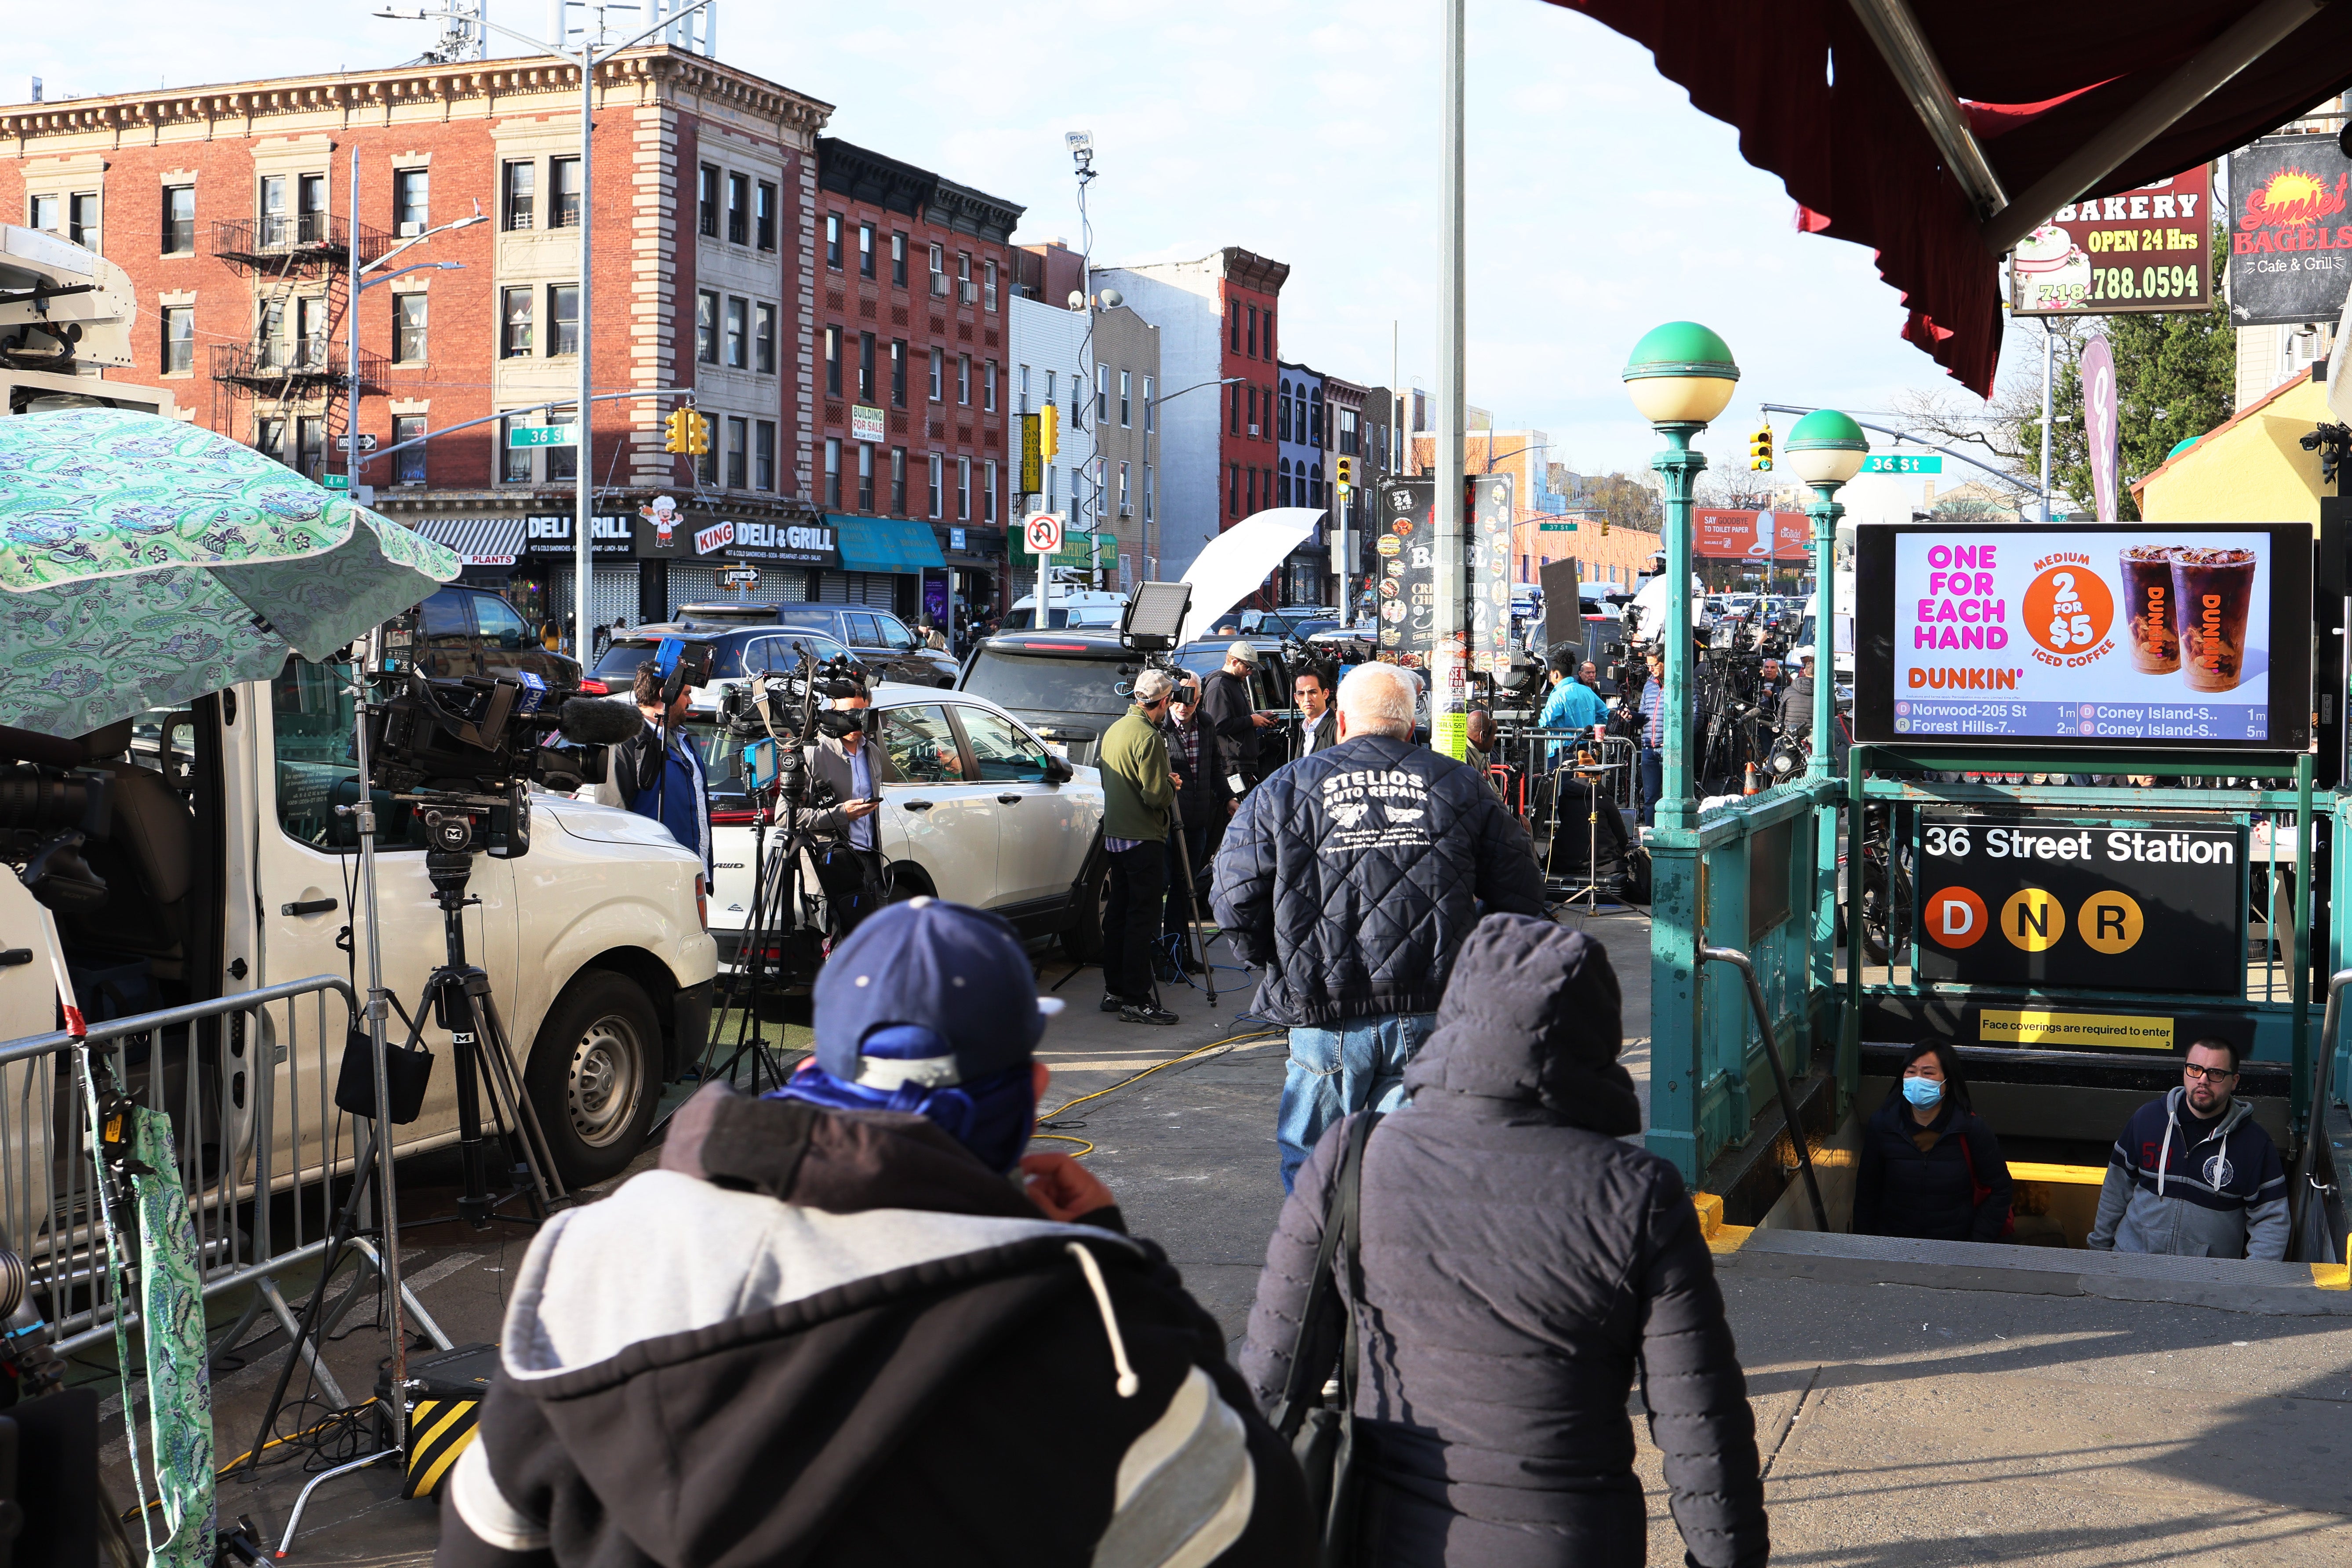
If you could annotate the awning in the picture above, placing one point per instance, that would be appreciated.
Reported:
(478, 540)
(886, 545)
(1938, 132)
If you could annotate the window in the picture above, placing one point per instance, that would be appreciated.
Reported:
(898, 481)
(179, 220)
(866, 250)
(705, 466)
(764, 455)
(81, 219)
(865, 475)
(563, 318)
(705, 326)
(1102, 394)
(833, 360)
(311, 332)
(1282, 417)
(967, 291)
(1051, 502)
(939, 374)
(988, 492)
(1249, 489)
(408, 318)
(763, 215)
(562, 462)
(938, 273)
(1269, 335)
(269, 438)
(514, 463)
(738, 209)
(739, 442)
(514, 316)
(763, 339)
(563, 184)
(408, 468)
(1125, 398)
(738, 331)
(897, 372)
(269, 334)
(963, 380)
(41, 211)
(937, 469)
(917, 746)
(988, 286)
(1315, 418)
(1049, 387)
(1315, 486)
(311, 436)
(706, 202)
(1253, 409)
(274, 226)
(1233, 490)
(833, 472)
(1151, 420)
(898, 259)
(1147, 493)
(1253, 331)
(1003, 752)
(179, 338)
(963, 489)
(1234, 321)
(1021, 398)
(1348, 432)
(500, 627)
(411, 208)
(833, 240)
(1282, 477)
(1125, 507)
(865, 366)
(988, 387)
(521, 193)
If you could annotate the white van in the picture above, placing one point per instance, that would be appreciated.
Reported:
(1073, 609)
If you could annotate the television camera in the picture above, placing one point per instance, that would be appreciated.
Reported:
(51, 809)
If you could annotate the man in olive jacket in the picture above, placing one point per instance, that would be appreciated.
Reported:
(1139, 792)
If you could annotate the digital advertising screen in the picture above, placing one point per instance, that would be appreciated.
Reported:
(2164, 634)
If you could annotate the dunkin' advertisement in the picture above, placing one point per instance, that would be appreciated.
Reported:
(2132, 633)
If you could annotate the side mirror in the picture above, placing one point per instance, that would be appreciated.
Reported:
(1058, 771)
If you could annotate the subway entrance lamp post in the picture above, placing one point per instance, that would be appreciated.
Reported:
(1825, 450)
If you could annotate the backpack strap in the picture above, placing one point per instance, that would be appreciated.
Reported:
(1321, 1335)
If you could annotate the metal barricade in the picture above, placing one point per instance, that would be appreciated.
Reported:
(258, 1150)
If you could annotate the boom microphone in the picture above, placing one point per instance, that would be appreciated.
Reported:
(597, 722)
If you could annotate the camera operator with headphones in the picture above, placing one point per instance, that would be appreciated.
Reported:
(657, 773)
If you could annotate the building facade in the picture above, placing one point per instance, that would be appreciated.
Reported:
(1300, 433)
(1218, 338)
(1123, 482)
(1048, 348)
(913, 283)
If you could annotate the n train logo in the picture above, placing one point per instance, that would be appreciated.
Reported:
(2032, 921)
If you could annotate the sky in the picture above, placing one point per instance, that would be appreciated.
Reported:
(1600, 202)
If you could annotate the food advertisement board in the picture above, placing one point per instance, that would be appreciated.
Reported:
(2290, 231)
(2170, 635)
(2144, 251)
(1406, 585)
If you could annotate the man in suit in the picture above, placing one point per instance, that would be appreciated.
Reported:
(1311, 689)
(847, 846)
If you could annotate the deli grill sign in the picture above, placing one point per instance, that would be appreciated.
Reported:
(2061, 901)
(552, 535)
(787, 543)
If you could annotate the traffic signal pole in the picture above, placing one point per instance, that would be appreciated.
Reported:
(1448, 678)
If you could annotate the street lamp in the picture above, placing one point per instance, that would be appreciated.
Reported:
(1825, 450)
(1680, 376)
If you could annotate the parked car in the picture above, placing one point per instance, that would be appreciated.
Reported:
(879, 640)
(465, 631)
(1067, 685)
(975, 807)
(736, 651)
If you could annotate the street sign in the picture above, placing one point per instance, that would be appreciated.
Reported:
(521, 436)
(1555, 528)
(865, 424)
(367, 442)
(1901, 463)
(1044, 534)
(336, 481)
(1033, 457)
(740, 577)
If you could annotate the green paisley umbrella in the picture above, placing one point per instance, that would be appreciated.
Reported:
(144, 563)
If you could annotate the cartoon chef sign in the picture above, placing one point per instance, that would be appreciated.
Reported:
(662, 513)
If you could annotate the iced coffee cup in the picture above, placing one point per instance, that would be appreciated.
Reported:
(2212, 587)
(2148, 601)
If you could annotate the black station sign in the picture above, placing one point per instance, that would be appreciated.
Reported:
(2061, 902)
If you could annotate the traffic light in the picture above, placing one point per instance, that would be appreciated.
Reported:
(677, 430)
(1760, 449)
(1049, 431)
(1346, 470)
(697, 434)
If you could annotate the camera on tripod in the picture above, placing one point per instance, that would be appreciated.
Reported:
(47, 815)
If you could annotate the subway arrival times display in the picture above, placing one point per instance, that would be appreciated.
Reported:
(2167, 635)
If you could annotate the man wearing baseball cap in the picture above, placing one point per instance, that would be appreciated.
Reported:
(851, 1323)
(1233, 714)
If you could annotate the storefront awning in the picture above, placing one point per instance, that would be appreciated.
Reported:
(478, 540)
(886, 545)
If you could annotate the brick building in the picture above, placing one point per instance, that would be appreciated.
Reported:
(228, 207)
(913, 279)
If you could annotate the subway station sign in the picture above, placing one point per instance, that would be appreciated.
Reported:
(2065, 902)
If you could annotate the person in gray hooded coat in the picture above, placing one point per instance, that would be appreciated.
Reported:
(1521, 1264)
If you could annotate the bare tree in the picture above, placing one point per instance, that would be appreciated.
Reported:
(2008, 428)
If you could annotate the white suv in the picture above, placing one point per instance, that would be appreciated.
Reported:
(975, 808)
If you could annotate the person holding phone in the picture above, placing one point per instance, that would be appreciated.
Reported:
(848, 849)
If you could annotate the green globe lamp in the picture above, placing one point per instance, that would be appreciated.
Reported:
(1680, 373)
(1825, 450)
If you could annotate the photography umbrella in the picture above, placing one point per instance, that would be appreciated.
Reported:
(144, 563)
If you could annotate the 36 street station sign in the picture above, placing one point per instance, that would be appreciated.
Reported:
(2060, 901)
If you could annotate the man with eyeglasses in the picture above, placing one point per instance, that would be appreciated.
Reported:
(2193, 1176)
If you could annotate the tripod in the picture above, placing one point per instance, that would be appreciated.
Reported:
(772, 900)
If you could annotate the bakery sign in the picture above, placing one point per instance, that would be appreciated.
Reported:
(2142, 250)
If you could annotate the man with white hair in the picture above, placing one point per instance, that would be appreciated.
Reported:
(1139, 792)
(1353, 875)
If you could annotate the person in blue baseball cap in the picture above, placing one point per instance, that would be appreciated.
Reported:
(850, 1322)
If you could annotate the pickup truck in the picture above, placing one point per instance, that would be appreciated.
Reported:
(229, 868)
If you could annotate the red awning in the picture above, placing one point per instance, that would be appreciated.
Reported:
(1817, 102)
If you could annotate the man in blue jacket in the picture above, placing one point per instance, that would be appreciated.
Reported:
(2193, 1176)
(660, 773)
(1353, 875)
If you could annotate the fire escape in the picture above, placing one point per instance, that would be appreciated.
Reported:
(295, 362)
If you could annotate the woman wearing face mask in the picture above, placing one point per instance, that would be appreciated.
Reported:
(1931, 1168)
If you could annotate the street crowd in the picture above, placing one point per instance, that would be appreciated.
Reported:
(856, 1322)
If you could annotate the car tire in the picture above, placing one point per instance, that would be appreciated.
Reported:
(1082, 937)
(594, 1076)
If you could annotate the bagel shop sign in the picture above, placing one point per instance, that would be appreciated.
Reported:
(2067, 901)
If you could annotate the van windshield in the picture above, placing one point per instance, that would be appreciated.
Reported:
(1028, 683)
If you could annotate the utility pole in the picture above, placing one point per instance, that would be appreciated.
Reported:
(2049, 353)
(1448, 678)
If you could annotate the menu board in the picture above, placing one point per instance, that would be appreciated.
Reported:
(2086, 635)
(1407, 578)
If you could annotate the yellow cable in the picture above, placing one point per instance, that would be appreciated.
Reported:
(1230, 1040)
(1065, 1138)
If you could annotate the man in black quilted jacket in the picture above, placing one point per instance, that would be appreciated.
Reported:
(1521, 1264)
(1352, 876)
